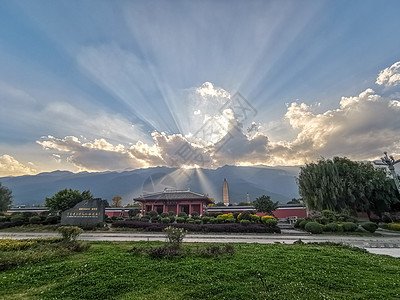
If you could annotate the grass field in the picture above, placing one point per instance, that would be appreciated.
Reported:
(109, 271)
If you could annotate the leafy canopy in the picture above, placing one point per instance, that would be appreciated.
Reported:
(67, 198)
(342, 184)
(265, 204)
(5, 197)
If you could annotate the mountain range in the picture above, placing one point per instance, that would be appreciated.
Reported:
(279, 183)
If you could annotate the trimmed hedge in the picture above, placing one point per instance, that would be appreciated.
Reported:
(349, 226)
(370, 226)
(228, 227)
(332, 227)
(313, 227)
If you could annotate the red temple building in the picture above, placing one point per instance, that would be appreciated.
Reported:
(174, 201)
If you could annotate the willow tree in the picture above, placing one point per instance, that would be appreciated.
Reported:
(344, 184)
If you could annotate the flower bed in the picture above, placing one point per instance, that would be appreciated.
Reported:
(228, 227)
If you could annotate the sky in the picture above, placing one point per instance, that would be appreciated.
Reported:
(120, 85)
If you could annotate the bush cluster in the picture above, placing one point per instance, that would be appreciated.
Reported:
(370, 226)
(226, 227)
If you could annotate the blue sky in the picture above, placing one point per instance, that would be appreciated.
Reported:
(113, 85)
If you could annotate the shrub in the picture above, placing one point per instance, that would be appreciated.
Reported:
(322, 220)
(171, 214)
(394, 226)
(386, 219)
(155, 219)
(145, 219)
(17, 218)
(69, 233)
(163, 252)
(255, 218)
(269, 220)
(108, 220)
(175, 235)
(35, 220)
(297, 224)
(180, 220)
(213, 221)
(313, 227)
(198, 221)
(3, 219)
(369, 226)
(330, 215)
(135, 218)
(245, 222)
(349, 226)
(303, 223)
(194, 215)
(165, 220)
(171, 219)
(230, 220)
(332, 227)
(152, 214)
(190, 221)
(164, 215)
(235, 215)
(182, 214)
(244, 216)
(206, 220)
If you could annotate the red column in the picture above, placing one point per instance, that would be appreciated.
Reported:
(177, 209)
(143, 212)
(152, 207)
(163, 209)
(190, 209)
(201, 208)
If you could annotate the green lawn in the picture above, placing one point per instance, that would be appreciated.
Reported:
(108, 271)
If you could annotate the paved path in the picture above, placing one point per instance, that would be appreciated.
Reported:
(388, 244)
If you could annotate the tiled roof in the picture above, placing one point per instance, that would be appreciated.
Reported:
(172, 195)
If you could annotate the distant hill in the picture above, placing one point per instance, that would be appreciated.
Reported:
(279, 183)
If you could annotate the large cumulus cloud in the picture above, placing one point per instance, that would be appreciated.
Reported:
(9, 166)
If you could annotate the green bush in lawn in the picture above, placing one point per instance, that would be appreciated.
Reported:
(332, 227)
(394, 226)
(370, 226)
(165, 220)
(245, 222)
(172, 219)
(69, 233)
(197, 221)
(180, 220)
(303, 223)
(349, 226)
(35, 220)
(230, 220)
(313, 227)
(213, 221)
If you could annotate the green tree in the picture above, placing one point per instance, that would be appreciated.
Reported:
(5, 197)
(342, 184)
(219, 204)
(265, 204)
(67, 198)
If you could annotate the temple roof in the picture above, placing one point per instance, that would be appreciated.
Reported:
(173, 195)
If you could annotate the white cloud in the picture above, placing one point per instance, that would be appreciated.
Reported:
(9, 166)
(390, 76)
(362, 128)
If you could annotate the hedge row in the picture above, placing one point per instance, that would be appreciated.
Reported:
(237, 228)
